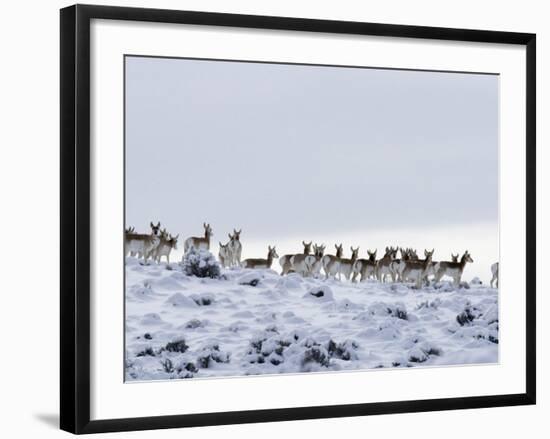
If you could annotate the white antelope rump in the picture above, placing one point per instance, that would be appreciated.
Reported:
(365, 267)
(261, 263)
(494, 271)
(164, 248)
(235, 248)
(225, 255)
(452, 269)
(142, 245)
(314, 262)
(199, 242)
(129, 231)
(331, 263)
(346, 265)
(417, 270)
(383, 267)
(286, 260)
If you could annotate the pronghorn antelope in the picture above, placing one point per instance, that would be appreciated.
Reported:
(141, 244)
(199, 242)
(430, 269)
(345, 267)
(235, 248)
(166, 245)
(411, 255)
(452, 269)
(225, 255)
(331, 263)
(494, 271)
(261, 263)
(417, 271)
(383, 266)
(286, 260)
(314, 261)
(365, 267)
(396, 266)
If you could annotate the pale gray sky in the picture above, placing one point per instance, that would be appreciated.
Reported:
(291, 152)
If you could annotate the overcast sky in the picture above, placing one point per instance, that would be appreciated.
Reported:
(289, 152)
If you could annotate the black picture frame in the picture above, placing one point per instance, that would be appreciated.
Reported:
(75, 217)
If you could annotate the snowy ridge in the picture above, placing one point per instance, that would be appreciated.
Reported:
(252, 322)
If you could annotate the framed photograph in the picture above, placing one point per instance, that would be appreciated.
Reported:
(274, 218)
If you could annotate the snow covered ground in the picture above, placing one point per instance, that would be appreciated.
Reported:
(257, 322)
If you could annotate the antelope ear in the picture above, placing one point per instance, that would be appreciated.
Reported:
(240, 230)
(304, 243)
(151, 223)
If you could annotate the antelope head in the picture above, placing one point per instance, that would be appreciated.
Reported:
(271, 252)
(466, 257)
(339, 250)
(173, 241)
(429, 254)
(319, 250)
(355, 252)
(207, 230)
(307, 247)
(372, 255)
(155, 229)
(236, 235)
(454, 258)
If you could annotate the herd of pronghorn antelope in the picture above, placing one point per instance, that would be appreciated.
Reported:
(406, 268)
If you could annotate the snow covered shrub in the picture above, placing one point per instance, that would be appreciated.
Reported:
(200, 263)
(343, 351)
(202, 299)
(315, 354)
(211, 354)
(417, 355)
(396, 310)
(468, 315)
(184, 369)
(195, 323)
(147, 352)
(167, 365)
(399, 311)
(267, 347)
(322, 294)
(250, 279)
(176, 346)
